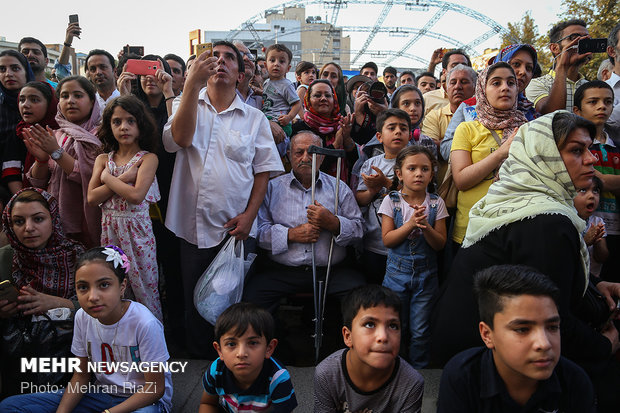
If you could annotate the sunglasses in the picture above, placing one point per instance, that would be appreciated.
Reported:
(571, 37)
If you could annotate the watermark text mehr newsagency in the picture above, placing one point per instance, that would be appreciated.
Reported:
(72, 365)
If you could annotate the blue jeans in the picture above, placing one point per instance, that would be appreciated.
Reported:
(48, 402)
(416, 293)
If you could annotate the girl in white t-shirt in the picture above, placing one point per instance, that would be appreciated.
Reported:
(109, 330)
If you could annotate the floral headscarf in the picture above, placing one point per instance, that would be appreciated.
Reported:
(51, 269)
(491, 117)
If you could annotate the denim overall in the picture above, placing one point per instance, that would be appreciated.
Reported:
(411, 272)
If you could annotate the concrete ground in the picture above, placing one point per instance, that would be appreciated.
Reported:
(188, 387)
(296, 351)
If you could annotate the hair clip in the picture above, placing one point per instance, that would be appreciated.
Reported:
(117, 257)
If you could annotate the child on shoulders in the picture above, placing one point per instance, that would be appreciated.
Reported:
(245, 377)
(368, 376)
(280, 101)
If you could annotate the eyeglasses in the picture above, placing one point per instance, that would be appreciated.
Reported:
(571, 37)
(250, 56)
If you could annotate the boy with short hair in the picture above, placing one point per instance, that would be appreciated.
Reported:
(594, 102)
(393, 131)
(280, 100)
(521, 369)
(245, 377)
(368, 376)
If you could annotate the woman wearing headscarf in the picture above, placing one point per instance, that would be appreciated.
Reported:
(480, 146)
(15, 72)
(65, 158)
(45, 268)
(39, 261)
(524, 60)
(528, 218)
(322, 117)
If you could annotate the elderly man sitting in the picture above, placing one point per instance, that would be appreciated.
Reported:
(288, 223)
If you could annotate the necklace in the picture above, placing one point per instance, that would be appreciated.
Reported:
(117, 324)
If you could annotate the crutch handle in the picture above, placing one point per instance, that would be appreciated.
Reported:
(338, 153)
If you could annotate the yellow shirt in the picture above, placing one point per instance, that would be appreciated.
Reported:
(472, 137)
(435, 99)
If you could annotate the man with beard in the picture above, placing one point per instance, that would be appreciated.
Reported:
(389, 79)
(555, 90)
(36, 53)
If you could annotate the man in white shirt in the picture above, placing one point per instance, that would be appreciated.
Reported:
(225, 154)
(613, 51)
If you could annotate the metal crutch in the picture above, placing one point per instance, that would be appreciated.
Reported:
(320, 286)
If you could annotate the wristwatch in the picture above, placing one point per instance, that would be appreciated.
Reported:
(57, 154)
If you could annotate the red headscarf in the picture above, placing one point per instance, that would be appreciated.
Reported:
(317, 122)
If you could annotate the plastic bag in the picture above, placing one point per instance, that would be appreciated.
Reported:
(221, 285)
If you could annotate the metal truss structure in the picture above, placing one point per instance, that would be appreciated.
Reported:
(442, 7)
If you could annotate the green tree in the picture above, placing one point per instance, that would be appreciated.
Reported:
(601, 16)
(526, 31)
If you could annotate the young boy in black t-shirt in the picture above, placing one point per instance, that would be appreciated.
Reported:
(521, 369)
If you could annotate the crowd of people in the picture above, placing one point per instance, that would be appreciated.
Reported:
(472, 222)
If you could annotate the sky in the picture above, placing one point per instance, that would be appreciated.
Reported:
(163, 27)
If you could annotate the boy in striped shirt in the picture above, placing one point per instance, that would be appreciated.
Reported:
(245, 377)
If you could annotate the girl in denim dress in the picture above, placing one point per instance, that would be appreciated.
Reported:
(413, 229)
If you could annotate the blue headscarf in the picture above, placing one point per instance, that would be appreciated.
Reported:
(507, 53)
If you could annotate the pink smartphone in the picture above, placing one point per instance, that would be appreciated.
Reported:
(142, 67)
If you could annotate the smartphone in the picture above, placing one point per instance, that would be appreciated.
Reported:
(142, 67)
(203, 47)
(73, 18)
(592, 46)
(8, 291)
(139, 50)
